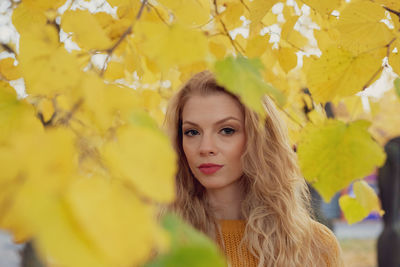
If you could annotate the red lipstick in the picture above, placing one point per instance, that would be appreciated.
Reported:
(209, 168)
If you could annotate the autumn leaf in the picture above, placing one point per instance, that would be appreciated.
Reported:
(170, 46)
(86, 31)
(8, 70)
(323, 7)
(258, 9)
(189, 12)
(15, 115)
(365, 201)
(361, 28)
(131, 157)
(242, 77)
(338, 72)
(333, 154)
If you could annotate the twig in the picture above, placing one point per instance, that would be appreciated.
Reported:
(238, 49)
(66, 119)
(397, 13)
(243, 3)
(368, 83)
(128, 31)
(8, 49)
(158, 13)
(285, 112)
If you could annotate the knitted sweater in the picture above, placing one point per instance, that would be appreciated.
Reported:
(233, 231)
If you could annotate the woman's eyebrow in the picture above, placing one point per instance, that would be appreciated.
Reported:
(218, 122)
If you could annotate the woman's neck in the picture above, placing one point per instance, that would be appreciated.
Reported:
(226, 202)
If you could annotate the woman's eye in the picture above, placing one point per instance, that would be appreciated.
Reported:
(228, 131)
(191, 132)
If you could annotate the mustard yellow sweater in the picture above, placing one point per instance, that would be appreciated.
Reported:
(232, 233)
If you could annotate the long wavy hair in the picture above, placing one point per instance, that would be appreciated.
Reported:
(279, 229)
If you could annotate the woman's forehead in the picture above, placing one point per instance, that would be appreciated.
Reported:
(213, 107)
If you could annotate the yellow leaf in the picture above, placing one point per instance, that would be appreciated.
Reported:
(287, 58)
(46, 67)
(326, 38)
(349, 108)
(8, 70)
(240, 41)
(189, 12)
(170, 46)
(367, 197)
(122, 223)
(151, 99)
(257, 45)
(339, 73)
(39, 165)
(86, 30)
(386, 120)
(104, 19)
(258, 9)
(361, 28)
(392, 4)
(352, 209)
(333, 154)
(104, 105)
(46, 109)
(269, 19)
(218, 46)
(394, 59)
(15, 115)
(75, 250)
(231, 15)
(323, 7)
(365, 202)
(317, 115)
(23, 17)
(126, 8)
(115, 70)
(133, 155)
(292, 36)
(118, 28)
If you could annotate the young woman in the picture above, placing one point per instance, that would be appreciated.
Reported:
(238, 180)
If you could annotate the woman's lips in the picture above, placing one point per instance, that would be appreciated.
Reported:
(210, 169)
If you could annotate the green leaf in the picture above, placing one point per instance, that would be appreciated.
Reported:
(333, 154)
(188, 247)
(242, 77)
(397, 86)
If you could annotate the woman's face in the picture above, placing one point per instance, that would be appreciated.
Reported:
(213, 133)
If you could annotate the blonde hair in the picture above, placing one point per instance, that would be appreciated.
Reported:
(279, 228)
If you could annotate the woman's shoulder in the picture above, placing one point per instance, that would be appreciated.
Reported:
(328, 243)
(324, 234)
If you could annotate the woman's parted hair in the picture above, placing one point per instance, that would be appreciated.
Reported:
(279, 229)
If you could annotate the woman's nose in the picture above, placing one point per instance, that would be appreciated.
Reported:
(207, 145)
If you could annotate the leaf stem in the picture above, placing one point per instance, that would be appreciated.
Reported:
(368, 83)
(237, 47)
(397, 13)
(123, 36)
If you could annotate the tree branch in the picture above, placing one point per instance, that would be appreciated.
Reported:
(238, 48)
(128, 31)
(368, 83)
(397, 13)
(8, 49)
